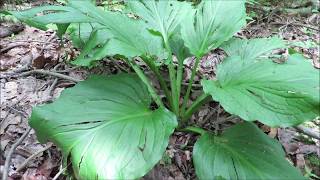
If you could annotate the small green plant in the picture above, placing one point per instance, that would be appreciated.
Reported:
(107, 127)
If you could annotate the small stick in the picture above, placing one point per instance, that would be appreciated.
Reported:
(13, 45)
(60, 172)
(53, 85)
(24, 114)
(47, 41)
(50, 92)
(8, 159)
(296, 24)
(25, 163)
(308, 131)
(66, 70)
(26, 40)
(38, 71)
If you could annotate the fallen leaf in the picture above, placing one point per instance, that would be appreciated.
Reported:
(300, 162)
(46, 168)
(273, 132)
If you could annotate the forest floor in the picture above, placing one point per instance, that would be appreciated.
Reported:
(32, 60)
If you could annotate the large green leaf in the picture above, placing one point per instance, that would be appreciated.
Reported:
(41, 16)
(80, 34)
(61, 29)
(253, 48)
(105, 126)
(178, 48)
(130, 37)
(161, 16)
(211, 24)
(276, 94)
(95, 43)
(94, 55)
(242, 152)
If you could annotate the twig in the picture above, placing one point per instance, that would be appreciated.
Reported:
(8, 159)
(25, 163)
(22, 113)
(296, 24)
(49, 94)
(47, 41)
(292, 11)
(308, 131)
(60, 172)
(53, 85)
(26, 40)
(66, 70)
(40, 71)
(13, 45)
(25, 67)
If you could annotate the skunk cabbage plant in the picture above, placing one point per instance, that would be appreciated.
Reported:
(118, 126)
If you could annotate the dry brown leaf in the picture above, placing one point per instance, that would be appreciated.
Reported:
(273, 132)
(300, 162)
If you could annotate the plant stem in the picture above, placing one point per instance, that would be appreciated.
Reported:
(162, 82)
(179, 77)
(186, 97)
(172, 74)
(147, 82)
(204, 98)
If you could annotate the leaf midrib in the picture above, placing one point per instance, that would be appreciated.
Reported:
(95, 129)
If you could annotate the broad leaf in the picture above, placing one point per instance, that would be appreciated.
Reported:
(62, 28)
(130, 37)
(211, 24)
(105, 126)
(95, 46)
(161, 16)
(178, 48)
(79, 34)
(51, 14)
(96, 54)
(253, 48)
(276, 94)
(242, 152)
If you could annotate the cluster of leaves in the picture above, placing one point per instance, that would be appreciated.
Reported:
(104, 125)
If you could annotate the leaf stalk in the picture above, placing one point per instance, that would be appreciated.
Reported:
(147, 82)
(187, 95)
(204, 98)
(162, 82)
(173, 82)
(179, 77)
